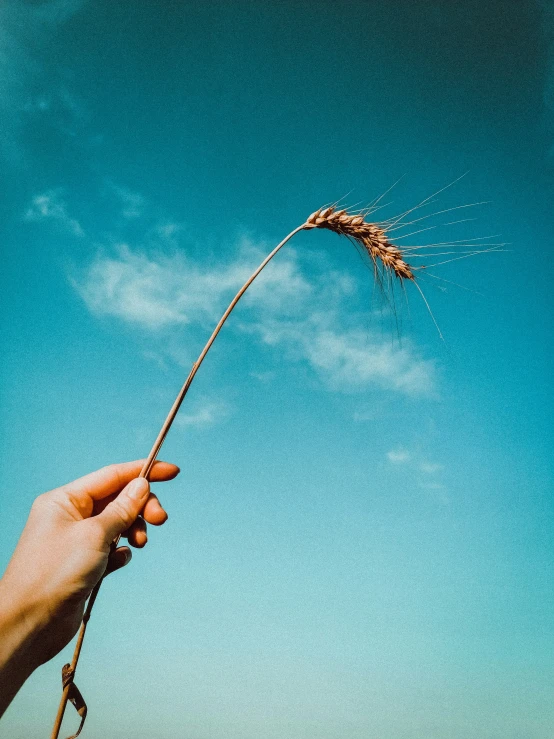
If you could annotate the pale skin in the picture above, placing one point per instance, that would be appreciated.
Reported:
(61, 555)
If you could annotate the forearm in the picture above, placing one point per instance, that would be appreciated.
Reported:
(18, 634)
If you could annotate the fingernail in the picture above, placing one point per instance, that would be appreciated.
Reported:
(137, 489)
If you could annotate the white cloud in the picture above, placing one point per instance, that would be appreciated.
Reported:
(168, 231)
(51, 206)
(132, 203)
(349, 358)
(206, 414)
(135, 289)
(352, 359)
(158, 292)
(280, 288)
(430, 481)
(58, 107)
(399, 456)
(299, 316)
(430, 468)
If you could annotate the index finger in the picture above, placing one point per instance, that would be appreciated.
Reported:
(113, 478)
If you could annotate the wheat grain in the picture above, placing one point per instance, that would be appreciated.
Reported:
(369, 235)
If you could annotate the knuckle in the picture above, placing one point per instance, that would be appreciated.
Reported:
(40, 502)
(112, 473)
(110, 470)
(114, 470)
(44, 509)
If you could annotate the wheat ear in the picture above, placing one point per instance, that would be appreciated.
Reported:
(352, 225)
(369, 235)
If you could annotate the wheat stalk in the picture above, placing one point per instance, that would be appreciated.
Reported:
(373, 239)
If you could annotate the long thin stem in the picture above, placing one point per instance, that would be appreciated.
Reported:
(152, 458)
(179, 399)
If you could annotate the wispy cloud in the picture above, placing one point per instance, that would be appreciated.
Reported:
(427, 472)
(399, 456)
(132, 203)
(51, 206)
(206, 414)
(156, 292)
(59, 107)
(301, 316)
(136, 289)
(402, 455)
(168, 231)
(350, 358)
(430, 468)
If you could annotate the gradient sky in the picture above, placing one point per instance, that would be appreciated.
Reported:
(360, 543)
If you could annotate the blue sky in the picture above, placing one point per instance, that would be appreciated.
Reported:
(360, 541)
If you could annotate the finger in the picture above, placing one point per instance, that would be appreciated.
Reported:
(136, 533)
(118, 515)
(114, 477)
(153, 511)
(118, 559)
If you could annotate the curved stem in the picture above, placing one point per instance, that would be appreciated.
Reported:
(154, 453)
(180, 397)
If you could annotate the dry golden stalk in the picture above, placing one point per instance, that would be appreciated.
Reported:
(354, 226)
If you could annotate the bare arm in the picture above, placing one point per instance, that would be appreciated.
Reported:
(61, 555)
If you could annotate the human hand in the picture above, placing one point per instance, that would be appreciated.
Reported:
(64, 551)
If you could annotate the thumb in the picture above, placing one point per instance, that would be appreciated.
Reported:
(118, 515)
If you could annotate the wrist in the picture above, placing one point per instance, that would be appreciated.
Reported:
(19, 627)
